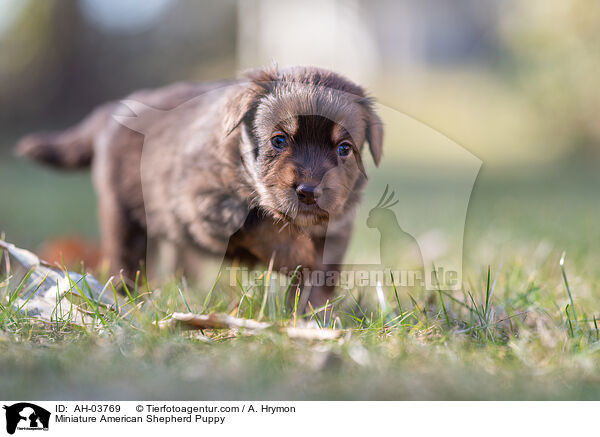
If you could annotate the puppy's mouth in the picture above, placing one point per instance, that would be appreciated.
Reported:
(306, 215)
(311, 210)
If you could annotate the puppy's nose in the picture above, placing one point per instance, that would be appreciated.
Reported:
(307, 194)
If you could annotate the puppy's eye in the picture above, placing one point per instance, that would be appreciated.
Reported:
(279, 142)
(344, 149)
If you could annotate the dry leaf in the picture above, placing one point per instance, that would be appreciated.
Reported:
(224, 321)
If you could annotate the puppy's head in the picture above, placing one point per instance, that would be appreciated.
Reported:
(303, 131)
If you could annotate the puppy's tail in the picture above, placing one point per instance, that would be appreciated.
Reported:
(69, 149)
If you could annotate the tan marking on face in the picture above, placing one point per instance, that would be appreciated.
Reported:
(288, 125)
(339, 134)
(287, 172)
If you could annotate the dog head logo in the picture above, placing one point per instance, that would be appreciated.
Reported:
(26, 416)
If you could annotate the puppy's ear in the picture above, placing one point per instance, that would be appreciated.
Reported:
(374, 133)
(244, 100)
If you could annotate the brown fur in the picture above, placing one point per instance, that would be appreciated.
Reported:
(195, 166)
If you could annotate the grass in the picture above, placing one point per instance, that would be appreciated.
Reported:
(524, 325)
(471, 345)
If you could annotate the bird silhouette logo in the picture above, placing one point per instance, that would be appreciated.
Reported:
(399, 251)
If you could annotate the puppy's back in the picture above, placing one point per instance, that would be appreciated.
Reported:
(74, 147)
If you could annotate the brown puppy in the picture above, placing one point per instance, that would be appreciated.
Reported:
(269, 165)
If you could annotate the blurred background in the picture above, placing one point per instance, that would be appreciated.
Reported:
(513, 83)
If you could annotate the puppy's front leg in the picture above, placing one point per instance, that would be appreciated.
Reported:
(288, 246)
(327, 269)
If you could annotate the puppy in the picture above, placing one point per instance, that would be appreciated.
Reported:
(267, 167)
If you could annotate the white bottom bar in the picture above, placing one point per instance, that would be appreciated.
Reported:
(301, 418)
